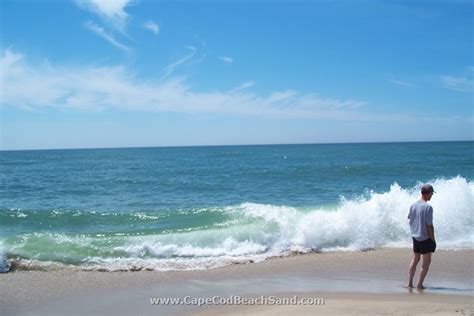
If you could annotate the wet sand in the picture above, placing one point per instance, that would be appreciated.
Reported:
(349, 283)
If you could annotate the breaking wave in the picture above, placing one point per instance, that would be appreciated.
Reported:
(248, 232)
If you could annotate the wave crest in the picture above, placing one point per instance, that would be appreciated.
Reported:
(253, 232)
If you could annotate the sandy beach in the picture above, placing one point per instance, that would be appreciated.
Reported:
(348, 282)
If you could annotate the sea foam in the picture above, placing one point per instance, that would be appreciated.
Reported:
(252, 232)
(4, 263)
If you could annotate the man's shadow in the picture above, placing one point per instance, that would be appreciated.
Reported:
(439, 288)
(451, 289)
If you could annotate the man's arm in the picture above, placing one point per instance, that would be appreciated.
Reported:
(429, 223)
(431, 232)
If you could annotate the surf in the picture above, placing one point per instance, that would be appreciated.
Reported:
(203, 238)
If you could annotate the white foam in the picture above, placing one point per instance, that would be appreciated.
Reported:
(379, 219)
(4, 264)
(253, 232)
(374, 220)
(229, 247)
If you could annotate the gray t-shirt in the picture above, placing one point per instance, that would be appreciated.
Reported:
(421, 215)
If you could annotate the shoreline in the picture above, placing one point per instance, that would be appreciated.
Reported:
(345, 277)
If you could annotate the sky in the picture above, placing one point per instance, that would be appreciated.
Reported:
(138, 73)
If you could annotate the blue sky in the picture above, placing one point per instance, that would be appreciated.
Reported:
(90, 73)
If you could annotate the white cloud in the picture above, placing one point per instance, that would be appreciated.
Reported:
(226, 60)
(243, 86)
(401, 83)
(152, 26)
(91, 88)
(171, 67)
(462, 84)
(111, 11)
(9, 58)
(103, 34)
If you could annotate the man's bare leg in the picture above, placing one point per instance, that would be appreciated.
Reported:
(424, 269)
(413, 264)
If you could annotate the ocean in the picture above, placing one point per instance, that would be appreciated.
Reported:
(188, 208)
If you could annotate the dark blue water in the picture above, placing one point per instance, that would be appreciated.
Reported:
(195, 177)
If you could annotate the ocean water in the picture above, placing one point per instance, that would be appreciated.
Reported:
(201, 207)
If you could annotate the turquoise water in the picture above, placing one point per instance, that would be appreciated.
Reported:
(200, 207)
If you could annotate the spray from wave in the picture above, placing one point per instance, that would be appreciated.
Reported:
(4, 264)
(249, 232)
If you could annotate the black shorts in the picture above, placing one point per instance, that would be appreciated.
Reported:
(424, 246)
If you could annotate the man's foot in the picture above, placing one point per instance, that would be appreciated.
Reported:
(420, 287)
(410, 286)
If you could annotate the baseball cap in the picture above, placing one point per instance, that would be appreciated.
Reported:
(427, 188)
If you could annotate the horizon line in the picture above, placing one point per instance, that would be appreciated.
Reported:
(230, 145)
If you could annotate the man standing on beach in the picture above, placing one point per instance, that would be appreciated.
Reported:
(422, 232)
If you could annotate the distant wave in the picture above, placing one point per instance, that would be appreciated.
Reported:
(248, 232)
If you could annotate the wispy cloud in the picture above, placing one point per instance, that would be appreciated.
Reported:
(171, 67)
(226, 59)
(152, 26)
(401, 83)
(243, 86)
(462, 84)
(91, 88)
(111, 12)
(106, 36)
(10, 58)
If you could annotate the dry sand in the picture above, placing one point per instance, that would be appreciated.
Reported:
(349, 282)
